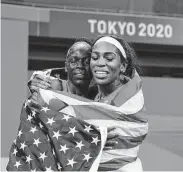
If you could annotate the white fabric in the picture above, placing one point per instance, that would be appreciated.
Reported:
(133, 105)
(135, 166)
(123, 128)
(95, 165)
(119, 153)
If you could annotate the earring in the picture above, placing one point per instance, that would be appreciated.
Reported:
(122, 70)
(121, 76)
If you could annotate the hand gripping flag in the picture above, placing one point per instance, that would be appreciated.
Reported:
(69, 133)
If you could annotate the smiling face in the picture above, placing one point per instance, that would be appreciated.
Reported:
(77, 64)
(105, 63)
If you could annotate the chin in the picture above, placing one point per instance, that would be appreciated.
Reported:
(80, 82)
(101, 82)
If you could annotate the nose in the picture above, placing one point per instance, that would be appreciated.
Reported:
(80, 64)
(101, 61)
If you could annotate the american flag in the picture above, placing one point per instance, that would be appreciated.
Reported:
(68, 133)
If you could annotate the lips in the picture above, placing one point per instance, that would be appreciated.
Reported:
(79, 73)
(101, 74)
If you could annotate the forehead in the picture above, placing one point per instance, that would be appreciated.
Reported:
(104, 47)
(79, 54)
(80, 49)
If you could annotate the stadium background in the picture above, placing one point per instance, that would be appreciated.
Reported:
(36, 34)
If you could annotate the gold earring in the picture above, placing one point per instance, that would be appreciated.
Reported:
(121, 75)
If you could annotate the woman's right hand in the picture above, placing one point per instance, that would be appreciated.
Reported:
(43, 82)
(39, 81)
(111, 138)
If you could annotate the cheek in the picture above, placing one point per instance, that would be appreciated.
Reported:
(69, 72)
(115, 69)
(115, 72)
(115, 66)
(92, 64)
(68, 68)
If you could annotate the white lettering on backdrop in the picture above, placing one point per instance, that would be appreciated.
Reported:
(130, 28)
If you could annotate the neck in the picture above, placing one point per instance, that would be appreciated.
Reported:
(105, 90)
(80, 90)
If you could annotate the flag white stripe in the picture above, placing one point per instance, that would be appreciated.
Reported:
(47, 95)
(95, 165)
(69, 111)
(135, 166)
(133, 105)
(123, 128)
(119, 153)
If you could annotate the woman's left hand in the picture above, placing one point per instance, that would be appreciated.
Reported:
(111, 139)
